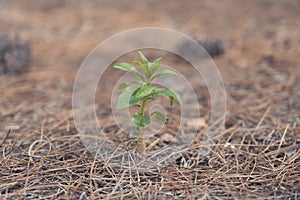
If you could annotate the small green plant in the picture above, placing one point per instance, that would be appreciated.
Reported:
(141, 91)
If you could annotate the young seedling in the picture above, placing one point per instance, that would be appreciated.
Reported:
(139, 92)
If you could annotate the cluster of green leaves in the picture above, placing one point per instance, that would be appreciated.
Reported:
(140, 91)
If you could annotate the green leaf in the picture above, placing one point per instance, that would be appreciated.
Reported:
(133, 100)
(153, 67)
(124, 66)
(140, 121)
(144, 59)
(124, 98)
(164, 72)
(159, 116)
(123, 85)
(174, 95)
(145, 69)
(157, 60)
(171, 100)
(167, 92)
(145, 90)
(137, 62)
(126, 84)
(128, 67)
(144, 65)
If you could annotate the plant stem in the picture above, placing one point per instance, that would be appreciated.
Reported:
(143, 107)
(141, 130)
(142, 142)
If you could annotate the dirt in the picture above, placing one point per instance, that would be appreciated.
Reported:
(257, 154)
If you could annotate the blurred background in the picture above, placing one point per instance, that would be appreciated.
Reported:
(260, 45)
(63, 32)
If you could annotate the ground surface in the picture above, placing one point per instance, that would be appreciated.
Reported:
(257, 156)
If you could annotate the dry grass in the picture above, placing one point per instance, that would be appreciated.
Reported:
(257, 155)
(258, 163)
